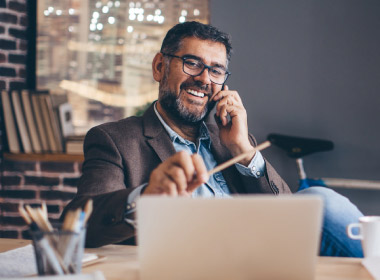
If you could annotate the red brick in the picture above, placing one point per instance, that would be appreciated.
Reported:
(7, 44)
(13, 221)
(17, 33)
(17, 58)
(10, 165)
(17, 85)
(56, 195)
(8, 18)
(41, 181)
(11, 180)
(16, 6)
(7, 72)
(9, 207)
(61, 167)
(71, 182)
(22, 194)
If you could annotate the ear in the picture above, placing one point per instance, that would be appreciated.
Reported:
(158, 67)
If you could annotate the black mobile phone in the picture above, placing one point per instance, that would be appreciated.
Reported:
(212, 104)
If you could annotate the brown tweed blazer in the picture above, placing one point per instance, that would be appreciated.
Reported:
(119, 156)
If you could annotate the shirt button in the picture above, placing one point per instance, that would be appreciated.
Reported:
(253, 168)
(258, 173)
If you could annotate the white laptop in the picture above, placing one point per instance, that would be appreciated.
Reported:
(246, 237)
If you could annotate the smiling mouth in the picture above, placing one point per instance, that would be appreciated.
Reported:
(195, 93)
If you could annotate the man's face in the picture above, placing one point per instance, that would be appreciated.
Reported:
(184, 97)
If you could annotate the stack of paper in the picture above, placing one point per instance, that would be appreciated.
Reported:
(10, 264)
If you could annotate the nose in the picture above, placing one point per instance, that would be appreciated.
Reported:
(204, 77)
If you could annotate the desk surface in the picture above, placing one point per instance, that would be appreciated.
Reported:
(121, 263)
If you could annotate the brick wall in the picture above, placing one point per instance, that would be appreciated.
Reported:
(32, 183)
(26, 182)
(13, 44)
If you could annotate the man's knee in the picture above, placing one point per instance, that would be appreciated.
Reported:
(328, 195)
(333, 202)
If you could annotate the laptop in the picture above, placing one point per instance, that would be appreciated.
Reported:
(245, 237)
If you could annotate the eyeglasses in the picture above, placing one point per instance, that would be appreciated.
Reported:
(195, 67)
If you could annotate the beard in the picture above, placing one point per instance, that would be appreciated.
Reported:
(175, 107)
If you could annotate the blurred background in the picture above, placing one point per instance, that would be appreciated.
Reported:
(311, 68)
(308, 68)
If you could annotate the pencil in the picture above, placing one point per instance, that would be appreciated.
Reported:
(44, 209)
(24, 215)
(238, 158)
(37, 216)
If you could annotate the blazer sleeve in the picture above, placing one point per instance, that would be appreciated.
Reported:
(103, 181)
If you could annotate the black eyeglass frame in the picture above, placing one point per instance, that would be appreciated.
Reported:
(204, 67)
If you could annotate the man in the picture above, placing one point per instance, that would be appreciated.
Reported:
(169, 150)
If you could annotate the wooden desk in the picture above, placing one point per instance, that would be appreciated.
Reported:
(121, 263)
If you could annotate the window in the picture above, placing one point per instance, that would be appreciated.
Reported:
(99, 52)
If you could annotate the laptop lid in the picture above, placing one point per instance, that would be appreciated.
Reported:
(246, 237)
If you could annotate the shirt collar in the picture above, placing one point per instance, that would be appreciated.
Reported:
(203, 131)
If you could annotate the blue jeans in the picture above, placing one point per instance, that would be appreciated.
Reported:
(338, 212)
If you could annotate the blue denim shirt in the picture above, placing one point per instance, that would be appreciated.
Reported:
(216, 185)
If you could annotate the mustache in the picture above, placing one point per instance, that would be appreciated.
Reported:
(198, 85)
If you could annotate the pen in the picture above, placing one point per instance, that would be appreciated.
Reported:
(33, 226)
(74, 239)
(238, 158)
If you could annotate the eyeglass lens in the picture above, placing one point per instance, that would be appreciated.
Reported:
(195, 67)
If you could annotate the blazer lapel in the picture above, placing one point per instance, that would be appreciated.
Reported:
(156, 135)
(159, 140)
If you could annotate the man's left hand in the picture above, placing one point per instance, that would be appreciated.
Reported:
(231, 118)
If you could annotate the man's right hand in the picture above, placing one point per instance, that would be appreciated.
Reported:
(179, 175)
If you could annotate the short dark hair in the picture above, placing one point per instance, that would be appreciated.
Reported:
(173, 39)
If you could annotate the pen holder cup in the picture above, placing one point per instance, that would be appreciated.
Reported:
(59, 252)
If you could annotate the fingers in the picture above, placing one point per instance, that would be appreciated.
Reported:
(181, 160)
(229, 105)
(175, 175)
(200, 175)
(179, 175)
(227, 93)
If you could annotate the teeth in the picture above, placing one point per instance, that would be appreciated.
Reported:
(196, 93)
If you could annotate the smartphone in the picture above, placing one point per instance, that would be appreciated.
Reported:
(212, 105)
